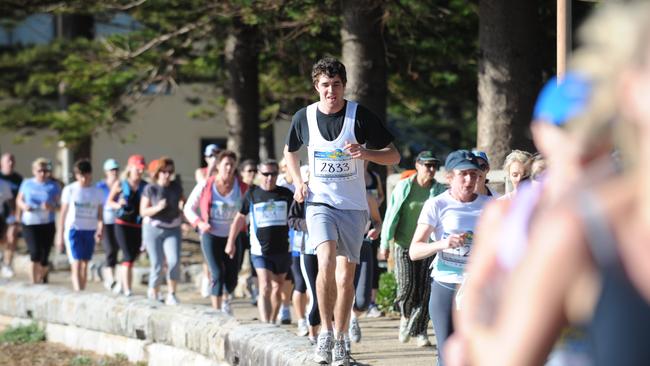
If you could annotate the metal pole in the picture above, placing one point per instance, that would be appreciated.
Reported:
(564, 36)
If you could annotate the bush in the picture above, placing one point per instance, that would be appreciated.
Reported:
(23, 334)
(387, 292)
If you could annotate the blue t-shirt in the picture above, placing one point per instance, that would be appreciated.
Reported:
(34, 195)
(108, 213)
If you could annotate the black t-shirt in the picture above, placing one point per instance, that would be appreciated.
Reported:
(368, 128)
(14, 179)
(271, 209)
(172, 193)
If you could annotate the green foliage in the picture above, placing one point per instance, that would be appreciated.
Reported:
(23, 334)
(81, 360)
(387, 291)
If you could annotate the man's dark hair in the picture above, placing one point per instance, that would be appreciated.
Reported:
(270, 162)
(246, 163)
(330, 67)
(83, 166)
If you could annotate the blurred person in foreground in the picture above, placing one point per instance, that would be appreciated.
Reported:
(11, 213)
(591, 265)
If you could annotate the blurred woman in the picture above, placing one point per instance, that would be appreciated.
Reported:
(38, 199)
(81, 215)
(109, 241)
(451, 218)
(160, 207)
(125, 197)
(211, 207)
(517, 168)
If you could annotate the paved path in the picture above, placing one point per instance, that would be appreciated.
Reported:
(379, 345)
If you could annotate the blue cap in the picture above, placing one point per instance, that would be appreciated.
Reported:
(559, 102)
(461, 160)
(111, 164)
(481, 155)
(211, 149)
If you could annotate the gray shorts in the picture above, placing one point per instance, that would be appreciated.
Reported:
(346, 227)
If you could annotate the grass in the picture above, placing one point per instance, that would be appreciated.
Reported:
(23, 334)
(387, 292)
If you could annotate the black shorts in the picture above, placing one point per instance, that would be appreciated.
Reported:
(276, 263)
(39, 239)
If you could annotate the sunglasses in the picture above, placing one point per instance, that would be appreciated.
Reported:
(429, 166)
(266, 174)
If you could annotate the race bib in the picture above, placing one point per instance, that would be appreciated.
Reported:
(85, 211)
(271, 213)
(222, 212)
(334, 166)
(457, 257)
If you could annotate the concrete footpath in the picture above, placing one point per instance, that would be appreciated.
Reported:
(379, 345)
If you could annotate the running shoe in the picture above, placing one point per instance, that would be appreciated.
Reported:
(151, 294)
(404, 335)
(355, 330)
(423, 340)
(7, 272)
(303, 328)
(340, 356)
(116, 287)
(172, 299)
(226, 308)
(374, 312)
(205, 287)
(285, 315)
(324, 344)
(348, 344)
(127, 293)
(312, 340)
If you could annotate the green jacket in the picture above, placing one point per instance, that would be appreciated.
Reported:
(397, 198)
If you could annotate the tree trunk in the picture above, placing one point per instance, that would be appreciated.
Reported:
(510, 73)
(267, 141)
(242, 105)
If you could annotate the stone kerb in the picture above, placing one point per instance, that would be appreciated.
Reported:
(195, 328)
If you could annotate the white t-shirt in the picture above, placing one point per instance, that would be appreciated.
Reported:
(450, 216)
(223, 210)
(83, 204)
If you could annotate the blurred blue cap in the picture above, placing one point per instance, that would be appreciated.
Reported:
(461, 160)
(211, 149)
(559, 102)
(111, 164)
(481, 155)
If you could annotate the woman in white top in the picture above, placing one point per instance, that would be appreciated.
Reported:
(449, 219)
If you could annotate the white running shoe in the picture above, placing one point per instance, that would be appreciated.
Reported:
(7, 272)
(340, 356)
(303, 328)
(116, 288)
(423, 340)
(324, 345)
(205, 287)
(285, 314)
(355, 330)
(404, 335)
(226, 308)
(171, 299)
(374, 312)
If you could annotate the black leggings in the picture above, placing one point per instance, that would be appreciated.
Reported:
(309, 266)
(129, 239)
(377, 271)
(223, 269)
(109, 242)
(39, 239)
(363, 278)
(298, 279)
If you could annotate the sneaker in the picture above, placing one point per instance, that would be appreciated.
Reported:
(127, 293)
(254, 293)
(151, 294)
(116, 288)
(285, 315)
(171, 299)
(7, 272)
(99, 271)
(355, 330)
(374, 312)
(423, 340)
(226, 308)
(324, 344)
(404, 335)
(205, 287)
(340, 356)
(312, 340)
(348, 344)
(303, 328)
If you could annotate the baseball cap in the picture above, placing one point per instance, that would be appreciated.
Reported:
(560, 101)
(137, 160)
(211, 149)
(111, 164)
(481, 155)
(461, 160)
(427, 155)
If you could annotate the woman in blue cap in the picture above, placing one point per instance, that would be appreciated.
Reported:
(109, 242)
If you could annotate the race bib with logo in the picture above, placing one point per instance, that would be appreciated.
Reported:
(222, 211)
(334, 166)
(457, 257)
(270, 213)
(85, 211)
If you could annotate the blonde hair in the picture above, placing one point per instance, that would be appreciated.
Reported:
(42, 162)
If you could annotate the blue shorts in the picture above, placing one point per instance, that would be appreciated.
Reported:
(276, 263)
(80, 244)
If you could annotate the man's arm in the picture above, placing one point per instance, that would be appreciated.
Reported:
(386, 156)
(293, 166)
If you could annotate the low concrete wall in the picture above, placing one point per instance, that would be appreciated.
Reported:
(146, 330)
